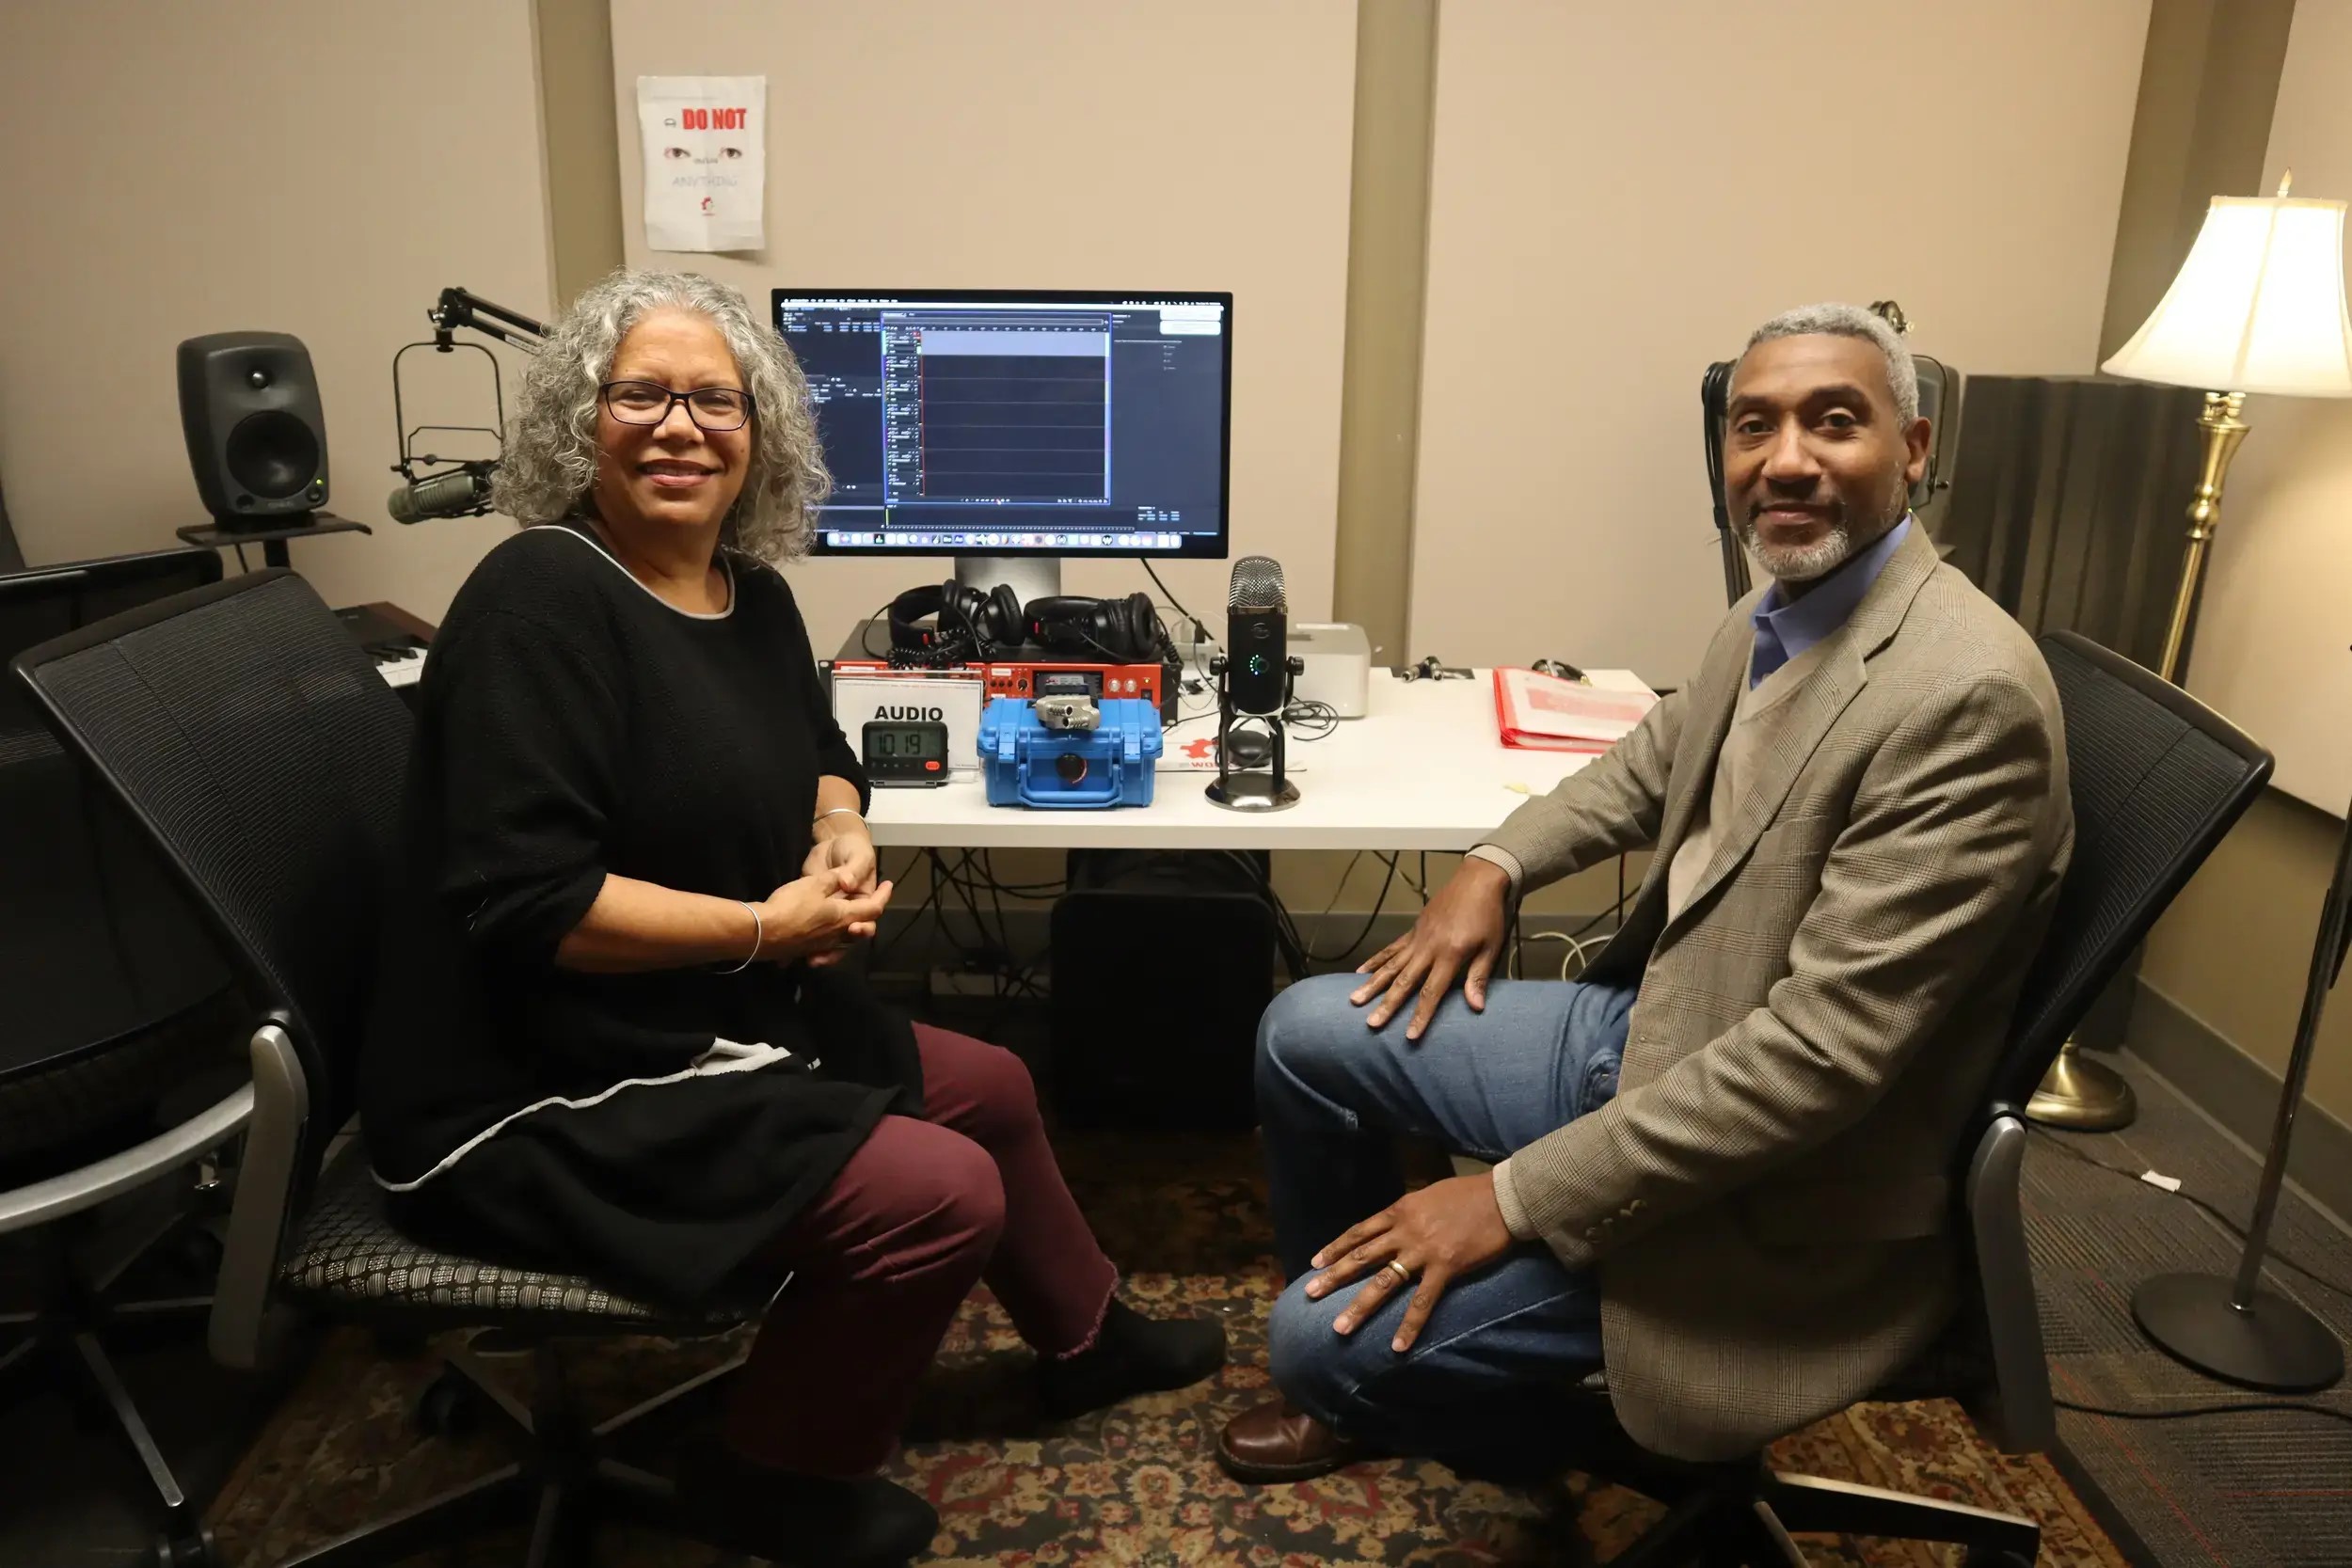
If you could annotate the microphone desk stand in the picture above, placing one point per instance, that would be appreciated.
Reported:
(1251, 789)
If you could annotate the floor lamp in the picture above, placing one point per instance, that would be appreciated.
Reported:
(2258, 307)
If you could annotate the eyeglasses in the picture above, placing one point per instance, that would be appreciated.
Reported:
(713, 408)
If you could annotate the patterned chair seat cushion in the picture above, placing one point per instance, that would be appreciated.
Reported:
(351, 1260)
(1955, 1367)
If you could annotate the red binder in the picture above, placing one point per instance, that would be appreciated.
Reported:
(1544, 713)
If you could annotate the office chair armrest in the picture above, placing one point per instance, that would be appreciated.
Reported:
(2025, 1419)
(258, 1220)
(87, 1186)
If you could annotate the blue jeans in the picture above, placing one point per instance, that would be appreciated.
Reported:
(1487, 1385)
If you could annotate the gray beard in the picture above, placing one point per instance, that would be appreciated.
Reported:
(1809, 562)
(1801, 562)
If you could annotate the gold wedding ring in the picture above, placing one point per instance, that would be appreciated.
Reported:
(1401, 1272)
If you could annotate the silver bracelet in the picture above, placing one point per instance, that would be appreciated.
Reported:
(760, 934)
(836, 811)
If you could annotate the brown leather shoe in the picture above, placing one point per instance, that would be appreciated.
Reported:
(1276, 1441)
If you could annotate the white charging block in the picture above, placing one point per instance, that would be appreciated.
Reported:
(1338, 660)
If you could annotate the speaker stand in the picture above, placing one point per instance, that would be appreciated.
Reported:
(2233, 1328)
(220, 536)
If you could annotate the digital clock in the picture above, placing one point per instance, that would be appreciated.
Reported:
(906, 751)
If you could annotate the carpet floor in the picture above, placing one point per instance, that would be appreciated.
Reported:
(1137, 1485)
(2230, 1488)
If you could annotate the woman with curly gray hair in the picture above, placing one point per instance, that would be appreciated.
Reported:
(551, 464)
(612, 1034)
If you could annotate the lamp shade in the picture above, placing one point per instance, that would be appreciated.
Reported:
(2258, 307)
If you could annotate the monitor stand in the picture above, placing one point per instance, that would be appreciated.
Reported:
(1029, 577)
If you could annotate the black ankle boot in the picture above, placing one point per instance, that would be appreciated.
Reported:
(1131, 1354)
(805, 1521)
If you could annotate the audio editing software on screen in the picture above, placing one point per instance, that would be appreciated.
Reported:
(1049, 424)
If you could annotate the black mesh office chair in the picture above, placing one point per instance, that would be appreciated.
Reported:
(2158, 779)
(257, 743)
(117, 1072)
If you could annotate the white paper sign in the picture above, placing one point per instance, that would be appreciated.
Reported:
(706, 145)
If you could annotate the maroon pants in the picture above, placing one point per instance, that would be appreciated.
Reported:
(884, 1256)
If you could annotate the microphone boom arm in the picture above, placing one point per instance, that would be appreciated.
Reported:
(461, 309)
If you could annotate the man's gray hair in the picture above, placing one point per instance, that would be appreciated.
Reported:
(1852, 320)
(550, 460)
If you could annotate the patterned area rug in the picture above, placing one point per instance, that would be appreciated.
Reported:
(1137, 1485)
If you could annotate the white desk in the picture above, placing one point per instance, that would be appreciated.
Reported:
(1420, 771)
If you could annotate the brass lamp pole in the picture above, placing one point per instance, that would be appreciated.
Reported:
(2258, 307)
(2223, 430)
(2078, 1091)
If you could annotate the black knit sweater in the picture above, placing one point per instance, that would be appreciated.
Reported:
(571, 725)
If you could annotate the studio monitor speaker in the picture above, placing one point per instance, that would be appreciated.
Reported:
(249, 405)
(1180, 1060)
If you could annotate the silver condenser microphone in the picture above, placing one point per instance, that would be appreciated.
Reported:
(459, 494)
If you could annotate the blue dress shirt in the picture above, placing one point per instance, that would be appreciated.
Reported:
(1786, 627)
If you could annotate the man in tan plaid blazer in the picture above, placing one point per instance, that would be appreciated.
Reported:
(1723, 1156)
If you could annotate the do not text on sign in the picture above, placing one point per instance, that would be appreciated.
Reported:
(705, 143)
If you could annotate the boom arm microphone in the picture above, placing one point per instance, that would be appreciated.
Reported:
(463, 493)
(1257, 640)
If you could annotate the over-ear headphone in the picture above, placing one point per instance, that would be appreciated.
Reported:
(966, 622)
(1714, 413)
(1127, 629)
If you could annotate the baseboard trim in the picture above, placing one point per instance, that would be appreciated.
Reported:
(2242, 1095)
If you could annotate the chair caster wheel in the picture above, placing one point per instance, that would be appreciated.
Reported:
(448, 1407)
(186, 1551)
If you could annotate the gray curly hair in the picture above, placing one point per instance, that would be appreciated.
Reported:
(1852, 320)
(550, 460)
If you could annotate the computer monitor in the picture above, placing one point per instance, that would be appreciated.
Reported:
(1013, 428)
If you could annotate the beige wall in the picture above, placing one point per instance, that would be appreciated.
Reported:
(582, 140)
(1058, 144)
(2276, 621)
(252, 163)
(1621, 192)
(2208, 85)
(2235, 947)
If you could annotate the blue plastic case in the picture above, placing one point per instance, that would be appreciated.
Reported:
(1021, 758)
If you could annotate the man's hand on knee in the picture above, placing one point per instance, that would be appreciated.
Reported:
(1445, 1230)
(1457, 937)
